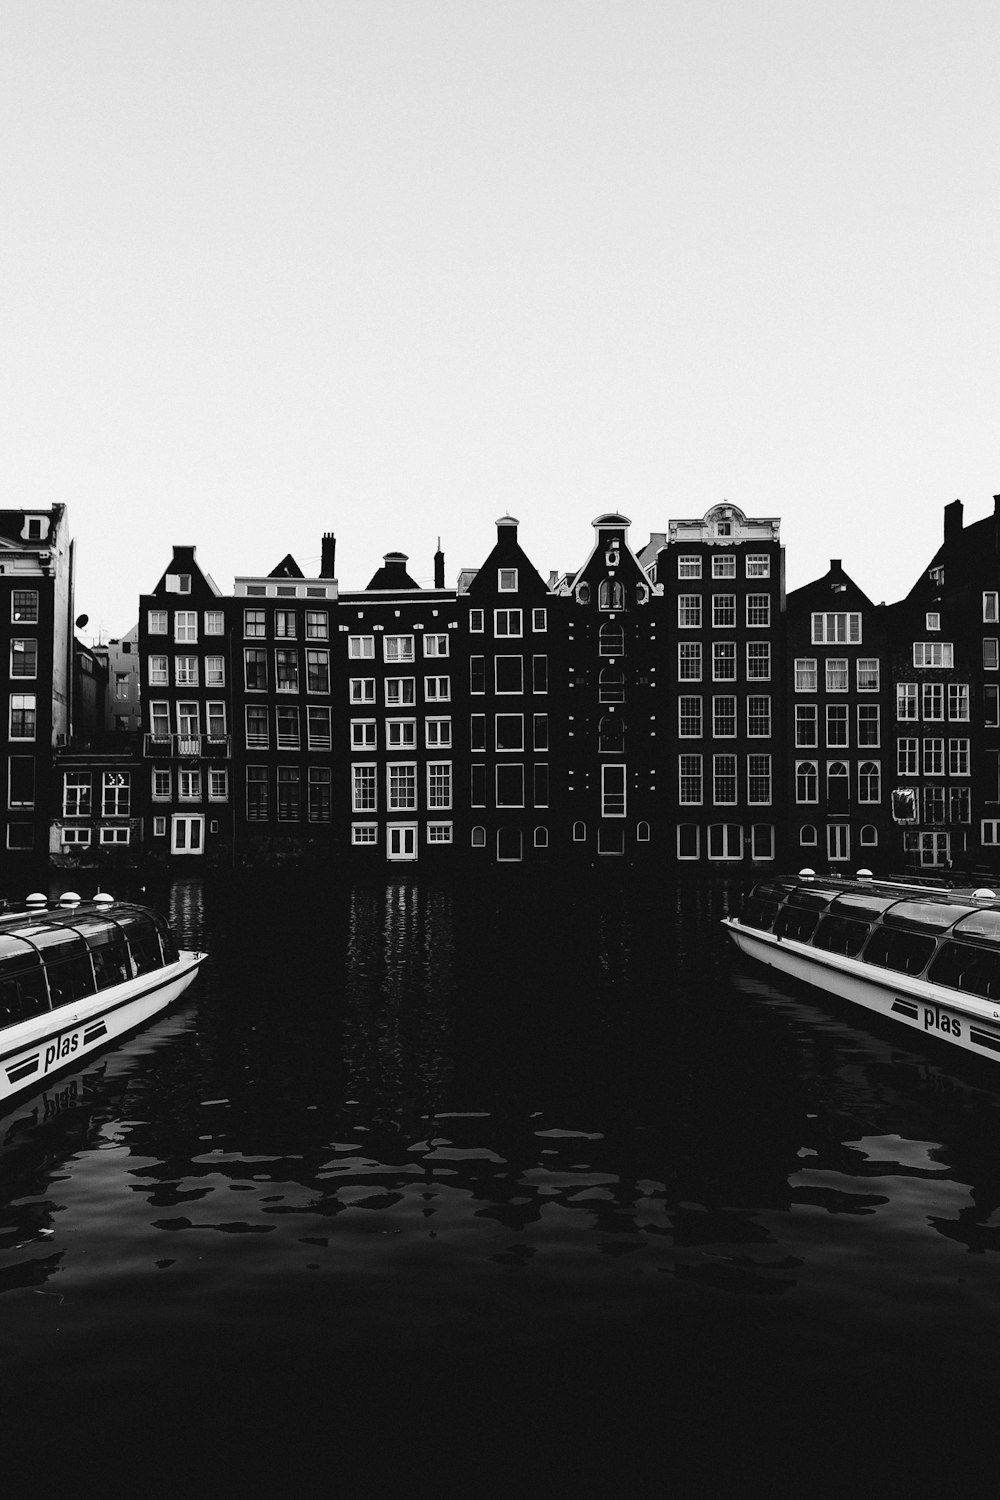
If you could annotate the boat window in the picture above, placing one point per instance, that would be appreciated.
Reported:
(906, 952)
(812, 897)
(841, 935)
(108, 950)
(168, 942)
(981, 924)
(55, 942)
(15, 954)
(142, 942)
(925, 916)
(23, 995)
(861, 904)
(799, 925)
(961, 966)
(760, 912)
(70, 979)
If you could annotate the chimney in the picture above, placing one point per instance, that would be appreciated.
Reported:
(439, 567)
(328, 555)
(952, 521)
(507, 530)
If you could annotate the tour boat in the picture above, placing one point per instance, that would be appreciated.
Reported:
(76, 976)
(926, 957)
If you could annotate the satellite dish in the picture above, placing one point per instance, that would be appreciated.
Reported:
(81, 621)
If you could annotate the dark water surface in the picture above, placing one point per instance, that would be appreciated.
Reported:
(506, 1189)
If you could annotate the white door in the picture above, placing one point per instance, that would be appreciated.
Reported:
(935, 849)
(187, 833)
(838, 840)
(402, 840)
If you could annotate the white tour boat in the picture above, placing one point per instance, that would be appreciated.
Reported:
(926, 957)
(76, 976)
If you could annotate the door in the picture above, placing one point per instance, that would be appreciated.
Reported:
(838, 840)
(402, 840)
(187, 833)
(935, 849)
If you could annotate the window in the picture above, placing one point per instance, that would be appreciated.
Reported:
(869, 731)
(611, 734)
(806, 726)
(214, 622)
(933, 757)
(688, 567)
(437, 734)
(317, 625)
(991, 654)
(24, 658)
(690, 789)
(397, 648)
(934, 804)
(907, 757)
(400, 733)
(725, 841)
(287, 723)
(435, 645)
(510, 785)
(869, 781)
(906, 701)
(759, 716)
(317, 670)
(612, 640)
(759, 779)
(479, 838)
(364, 833)
(255, 668)
(437, 689)
(289, 794)
(723, 611)
(805, 674)
(958, 757)
(539, 619)
(364, 734)
(257, 728)
(541, 838)
(158, 674)
(723, 661)
(723, 780)
(156, 620)
(807, 835)
(439, 784)
(689, 611)
(318, 727)
(218, 784)
(285, 629)
(758, 609)
(161, 784)
(541, 787)
(400, 691)
(477, 732)
(361, 647)
(540, 731)
(319, 794)
(186, 625)
(758, 661)
(958, 700)
(258, 809)
(724, 717)
(758, 565)
(806, 781)
(932, 700)
(115, 788)
(509, 674)
(991, 705)
(689, 661)
(186, 671)
(689, 717)
(439, 833)
(932, 621)
(159, 720)
(76, 794)
(188, 786)
(836, 629)
(613, 793)
(507, 580)
(254, 627)
(867, 669)
(688, 841)
(510, 731)
(362, 690)
(990, 616)
(159, 828)
(837, 674)
(24, 610)
(114, 835)
(477, 674)
(836, 726)
(401, 782)
(215, 671)
(364, 790)
(507, 622)
(611, 685)
(477, 620)
(23, 716)
(724, 566)
(933, 654)
(838, 786)
(286, 670)
(477, 785)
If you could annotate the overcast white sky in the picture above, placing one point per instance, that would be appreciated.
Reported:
(391, 268)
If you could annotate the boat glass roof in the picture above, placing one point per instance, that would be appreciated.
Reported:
(925, 916)
(981, 924)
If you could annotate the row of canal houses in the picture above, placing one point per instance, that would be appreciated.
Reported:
(667, 706)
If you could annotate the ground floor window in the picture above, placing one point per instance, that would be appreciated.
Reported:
(688, 841)
(364, 833)
(725, 841)
(439, 833)
(508, 844)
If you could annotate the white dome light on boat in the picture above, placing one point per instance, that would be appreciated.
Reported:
(984, 895)
(69, 898)
(37, 899)
(103, 899)
(807, 874)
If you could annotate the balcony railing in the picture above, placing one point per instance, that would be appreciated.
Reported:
(187, 746)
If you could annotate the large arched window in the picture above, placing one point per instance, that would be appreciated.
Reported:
(612, 640)
(611, 688)
(611, 594)
(806, 781)
(838, 786)
(869, 781)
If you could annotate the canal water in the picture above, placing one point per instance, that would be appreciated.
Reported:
(504, 1188)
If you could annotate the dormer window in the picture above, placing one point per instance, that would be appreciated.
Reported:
(723, 528)
(178, 583)
(508, 580)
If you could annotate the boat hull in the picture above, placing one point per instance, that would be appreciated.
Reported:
(33, 1051)
(970, 1024)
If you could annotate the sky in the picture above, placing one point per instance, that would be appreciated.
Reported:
(396, 268)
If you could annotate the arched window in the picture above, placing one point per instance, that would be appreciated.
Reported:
(869, 835)
(611, 688)
(807, 834)
(642, 833)
(612, 640)
(725, 841)
(479, 838)
(611, 594)
(579, 832)
(611, 734)
(541, 838)
(806, 781)
(838, 786)
(869, 781)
